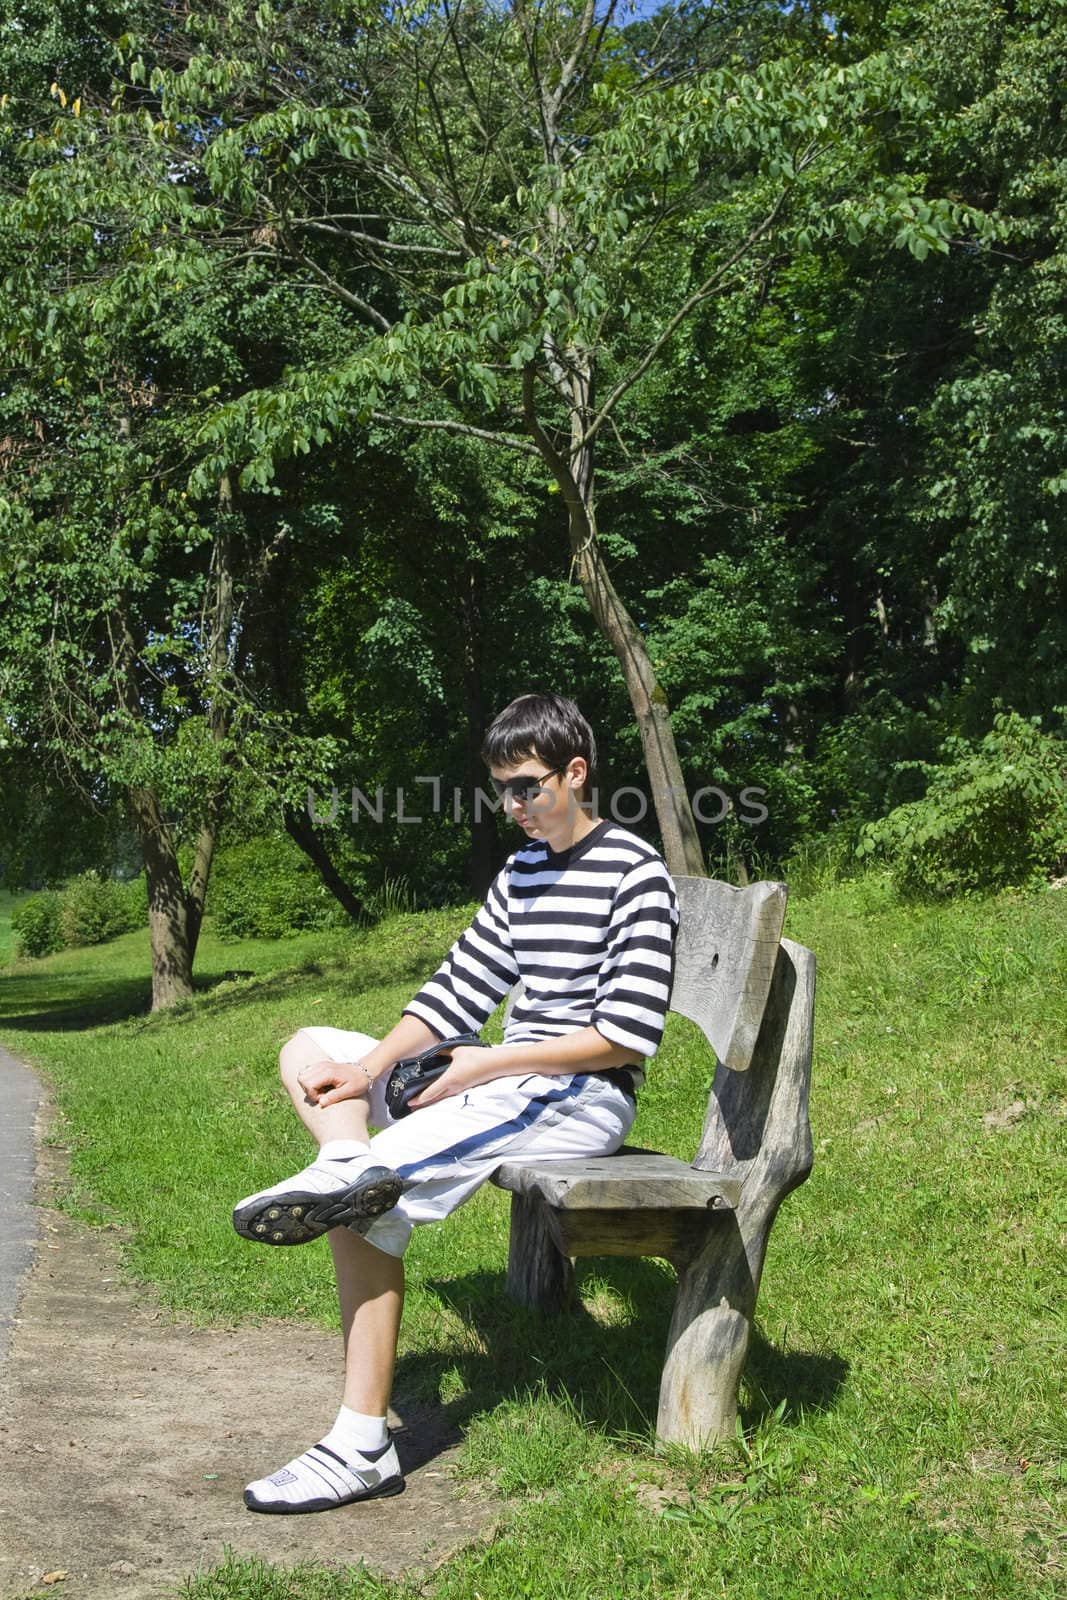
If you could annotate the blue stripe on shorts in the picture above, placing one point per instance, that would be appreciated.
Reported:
(530, 1113)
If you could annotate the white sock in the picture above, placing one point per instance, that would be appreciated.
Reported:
(342, 1149)
(355, 1432)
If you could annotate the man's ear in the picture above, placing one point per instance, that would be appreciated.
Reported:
(577, 772)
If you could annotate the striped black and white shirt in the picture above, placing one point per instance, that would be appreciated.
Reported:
(590, 932)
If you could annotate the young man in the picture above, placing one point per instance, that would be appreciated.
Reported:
(584, 913)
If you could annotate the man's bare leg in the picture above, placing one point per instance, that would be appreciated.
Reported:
(356, 1459)
(345, 1120)
(370, 1290)
(370, 1284)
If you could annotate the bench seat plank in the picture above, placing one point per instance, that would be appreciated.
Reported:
(641, 1179)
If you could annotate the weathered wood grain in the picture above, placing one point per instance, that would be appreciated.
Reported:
(545, 1242)
(628, 1179)
(762, 1133)
(540, 1274)
(724, 959)
(675, 1236)
(756, 1128)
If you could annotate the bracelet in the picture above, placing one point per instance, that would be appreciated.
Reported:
(365, 1072)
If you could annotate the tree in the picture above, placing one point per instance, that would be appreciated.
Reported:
(288, 238)
(387, 623)
(992, 499)
(121, 624)
(898, 423)
(540, 216)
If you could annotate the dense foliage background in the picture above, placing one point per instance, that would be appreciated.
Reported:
(269, 522)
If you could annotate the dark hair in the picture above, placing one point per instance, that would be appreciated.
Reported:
(547, 727)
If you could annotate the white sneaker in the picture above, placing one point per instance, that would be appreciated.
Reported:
(321, 1480)
(334, 1192)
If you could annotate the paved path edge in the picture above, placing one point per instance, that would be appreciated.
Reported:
(21, 1101)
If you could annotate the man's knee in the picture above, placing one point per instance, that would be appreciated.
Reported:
(298, 1051)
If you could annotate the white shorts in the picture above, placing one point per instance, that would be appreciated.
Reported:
(449, 1149)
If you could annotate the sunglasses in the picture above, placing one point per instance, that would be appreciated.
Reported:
(524, 788)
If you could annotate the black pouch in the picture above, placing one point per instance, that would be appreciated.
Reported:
(411, 1075)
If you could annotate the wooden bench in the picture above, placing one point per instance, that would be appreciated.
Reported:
(752, 993)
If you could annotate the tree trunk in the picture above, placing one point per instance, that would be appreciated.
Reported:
(196, 893)
(681, 842)
(168, 926)
(175, 913)
(298, 827)
(572, 375)
(483, 834)
(168, 922)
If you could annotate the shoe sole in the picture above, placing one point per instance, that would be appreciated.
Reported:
(383, 1490)
(299, 1216)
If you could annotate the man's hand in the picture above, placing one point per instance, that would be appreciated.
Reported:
(469, 1065)
(583, 1050)
(326, 1082)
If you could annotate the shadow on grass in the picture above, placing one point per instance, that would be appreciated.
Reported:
(609, 1365)
(807, 1380)
(71, 1003)
(79, 1000)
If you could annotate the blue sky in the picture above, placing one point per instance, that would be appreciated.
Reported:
(641, 8)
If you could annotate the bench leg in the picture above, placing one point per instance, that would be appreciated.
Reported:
(539, 1274)
(708, 1340)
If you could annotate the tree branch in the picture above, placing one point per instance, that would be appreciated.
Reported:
(372, 239)
(706, 289)
(545, 448)
(505, 441)
(354, 300)
(570, 67)
(461, 62)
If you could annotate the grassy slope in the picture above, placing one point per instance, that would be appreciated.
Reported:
(902, 1402)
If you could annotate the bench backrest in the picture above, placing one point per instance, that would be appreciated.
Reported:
(724, 959)
(752, 993)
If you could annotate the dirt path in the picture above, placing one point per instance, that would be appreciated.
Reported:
(126, 1439)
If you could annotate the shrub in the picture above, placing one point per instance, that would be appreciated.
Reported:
(994, 815)
(88, 910)
(267, 888)
(818, 863)
(94, 908)
(135, 895)
(35, 924)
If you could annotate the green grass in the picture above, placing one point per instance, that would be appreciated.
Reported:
(7, 938)
(902, 1407)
